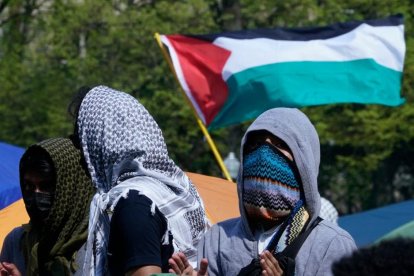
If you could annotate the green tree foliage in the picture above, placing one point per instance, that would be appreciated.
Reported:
(48, 49)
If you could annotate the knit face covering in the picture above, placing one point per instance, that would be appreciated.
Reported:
(271, 186)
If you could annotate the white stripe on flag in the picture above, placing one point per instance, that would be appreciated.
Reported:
(384, 44)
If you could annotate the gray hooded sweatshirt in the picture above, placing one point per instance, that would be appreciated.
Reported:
(231, 245)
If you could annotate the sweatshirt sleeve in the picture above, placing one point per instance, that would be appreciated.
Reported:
(10, 251)
(209, 251)
(339, 247)
(6, 255)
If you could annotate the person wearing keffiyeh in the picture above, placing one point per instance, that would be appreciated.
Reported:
(278, 201)
(57, 193)
(145, 207)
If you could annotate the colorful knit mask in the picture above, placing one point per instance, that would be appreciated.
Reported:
(271, 188)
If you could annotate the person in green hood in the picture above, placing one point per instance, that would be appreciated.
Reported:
(57, 192)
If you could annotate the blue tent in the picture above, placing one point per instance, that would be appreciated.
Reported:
(9, 176)
(369, 226)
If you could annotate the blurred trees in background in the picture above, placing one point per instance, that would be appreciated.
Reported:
(48, 49)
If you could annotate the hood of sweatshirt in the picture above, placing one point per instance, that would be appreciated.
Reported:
(295, 129)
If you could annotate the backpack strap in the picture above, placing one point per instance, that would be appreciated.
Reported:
(292, 249)
(286, 258)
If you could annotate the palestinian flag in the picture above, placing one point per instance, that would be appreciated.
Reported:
(235, 76)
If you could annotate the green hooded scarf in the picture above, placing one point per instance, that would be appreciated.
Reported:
(51, 249)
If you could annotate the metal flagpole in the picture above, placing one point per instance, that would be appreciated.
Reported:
(199, 121)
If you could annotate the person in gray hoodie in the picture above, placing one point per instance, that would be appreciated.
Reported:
(278, 199)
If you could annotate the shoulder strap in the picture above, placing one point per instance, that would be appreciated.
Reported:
(292, 249)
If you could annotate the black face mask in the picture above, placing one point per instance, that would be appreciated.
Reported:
(38, 206)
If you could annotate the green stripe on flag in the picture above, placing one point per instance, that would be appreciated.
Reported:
(298, 84)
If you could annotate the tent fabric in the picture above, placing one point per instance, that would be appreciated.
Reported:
(405, 231)
(12, 216)
(9, 174)
(219, 196)
(367, 227)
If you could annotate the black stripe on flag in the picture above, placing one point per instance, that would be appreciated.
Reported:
(304, 34)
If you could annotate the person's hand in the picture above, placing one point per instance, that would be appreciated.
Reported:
(180, 266)
(202, 271)
(9, 269)
(269, 264)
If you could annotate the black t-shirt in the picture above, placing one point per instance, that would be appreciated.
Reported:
(136, 234)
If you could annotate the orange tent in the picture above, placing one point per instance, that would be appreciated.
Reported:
(10, 217)
(219, 197)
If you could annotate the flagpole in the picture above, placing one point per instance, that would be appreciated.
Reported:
(199, 121)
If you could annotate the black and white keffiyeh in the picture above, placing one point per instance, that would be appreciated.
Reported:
(125, 150)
